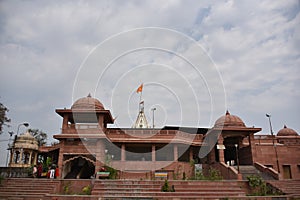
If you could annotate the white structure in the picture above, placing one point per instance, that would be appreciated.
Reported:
(141, 121)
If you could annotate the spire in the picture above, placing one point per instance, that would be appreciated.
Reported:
(141, 121)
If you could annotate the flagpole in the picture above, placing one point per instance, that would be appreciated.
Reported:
(140, 90)
(140, 101)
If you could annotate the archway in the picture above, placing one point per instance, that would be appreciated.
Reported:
(78, 167)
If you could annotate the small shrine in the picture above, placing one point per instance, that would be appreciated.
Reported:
(24, 151)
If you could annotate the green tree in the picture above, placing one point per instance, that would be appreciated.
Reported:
(39, 135)
(4, 120)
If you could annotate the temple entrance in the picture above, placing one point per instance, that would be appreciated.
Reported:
(79, 168)
(230, 155)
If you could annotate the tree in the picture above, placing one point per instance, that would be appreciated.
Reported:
(4, 120)
(39, 135)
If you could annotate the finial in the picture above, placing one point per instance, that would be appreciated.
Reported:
(89, 95)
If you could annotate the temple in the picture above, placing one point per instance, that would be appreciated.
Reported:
(87, 145)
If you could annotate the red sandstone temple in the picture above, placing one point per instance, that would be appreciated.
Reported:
(86, 145)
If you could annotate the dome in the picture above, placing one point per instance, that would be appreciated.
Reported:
(287, 132)
(26, 136)
(87, 103)
(26, 141)
(229, 120)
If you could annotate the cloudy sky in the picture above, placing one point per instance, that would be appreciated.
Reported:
(195, 59)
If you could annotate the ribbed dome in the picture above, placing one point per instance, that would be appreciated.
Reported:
(229, 120)
(26, 141)
(287, 132)
(26, 136)
(87, 103)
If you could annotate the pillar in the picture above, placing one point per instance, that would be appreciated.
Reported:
(221, 149)
(60, 159)
(35, 157)
(100, 155)
(29, 161)
(123, 153)
(253, 148)
(191, 154)
(153, 153)
(11, 157)
(211, 156)
(101, 121)
(21, 156)
(175, 152)
(65, 122)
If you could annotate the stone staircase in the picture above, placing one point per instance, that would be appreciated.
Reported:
(27, 188)
(288, 187)
(134, 189)
(248, 170)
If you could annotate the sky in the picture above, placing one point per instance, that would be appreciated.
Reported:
(195, 59)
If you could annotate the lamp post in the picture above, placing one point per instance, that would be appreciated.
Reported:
(237, 157)
(9, 147)
(153, 109)
(274, 145)
(24, 124)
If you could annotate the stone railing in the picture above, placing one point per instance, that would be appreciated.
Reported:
(267, 170)
(15, 172)
(228, 172)
(171, 135)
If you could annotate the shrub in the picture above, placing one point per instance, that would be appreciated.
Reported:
(67, 187)
(87, 190)
(214, 174)
(166, 187)
(183, 176)
(199, 176)
(257, 185)
(112, 172)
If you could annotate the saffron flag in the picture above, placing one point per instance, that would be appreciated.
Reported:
(140, 89)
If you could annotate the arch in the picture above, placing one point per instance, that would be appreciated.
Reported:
(79, 167)
(26, 157)
(33, 158)
(83, 157)
(17, 155)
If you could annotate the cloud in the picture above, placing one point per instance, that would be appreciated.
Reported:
(255, 45)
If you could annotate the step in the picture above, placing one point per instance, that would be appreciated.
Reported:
(105, 186)
(150, 194)
(287, 186)
(206, 183)
(33, 182)
(128, 190)
(24, 197)
(176, 188)
(9, 194)
(11, 198)
(24, 190)
(207, 190)
(137, 182)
